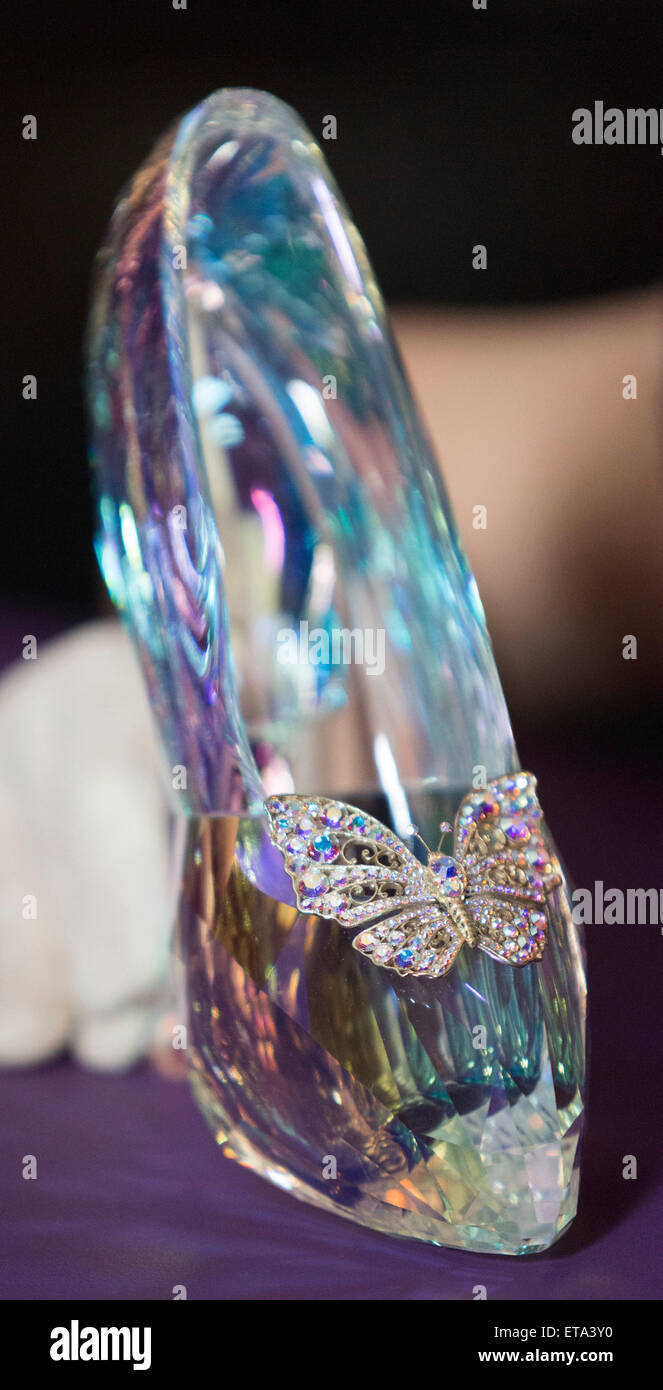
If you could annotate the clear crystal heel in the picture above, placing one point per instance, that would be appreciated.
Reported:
(274, 530)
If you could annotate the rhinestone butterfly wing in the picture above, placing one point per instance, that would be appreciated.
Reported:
(508, 868)
(347, 866)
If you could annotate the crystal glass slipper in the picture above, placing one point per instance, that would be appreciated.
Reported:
(275, 533)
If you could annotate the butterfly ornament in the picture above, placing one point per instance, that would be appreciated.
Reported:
(491, 893)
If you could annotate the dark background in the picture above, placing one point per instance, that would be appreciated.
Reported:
(454, 127)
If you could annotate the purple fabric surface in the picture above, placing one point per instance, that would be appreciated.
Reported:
(132, 1196)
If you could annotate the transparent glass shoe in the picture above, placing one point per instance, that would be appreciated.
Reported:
(275, 533)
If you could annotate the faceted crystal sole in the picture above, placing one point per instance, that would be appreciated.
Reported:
(395, 1214)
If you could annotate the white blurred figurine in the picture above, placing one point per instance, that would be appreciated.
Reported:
(85, 901)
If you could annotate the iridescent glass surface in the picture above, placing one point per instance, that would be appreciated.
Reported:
(262, 473)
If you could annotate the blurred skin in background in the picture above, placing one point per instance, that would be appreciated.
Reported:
(528, 417)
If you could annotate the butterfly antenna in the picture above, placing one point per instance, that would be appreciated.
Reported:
(445, 829)
(413, 830)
